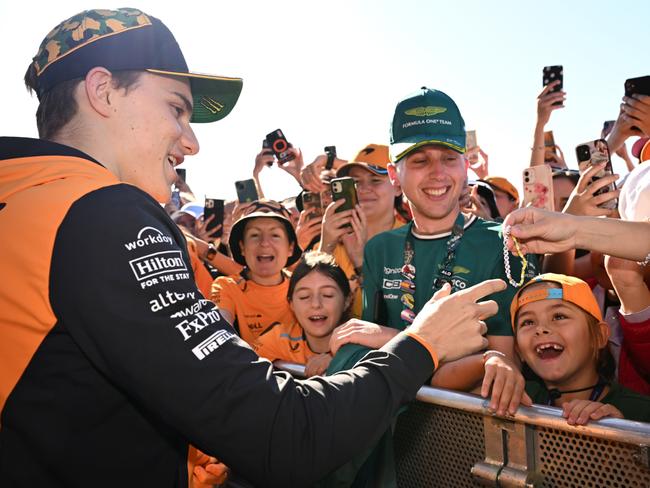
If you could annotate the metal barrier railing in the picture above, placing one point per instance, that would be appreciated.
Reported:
(450, 439)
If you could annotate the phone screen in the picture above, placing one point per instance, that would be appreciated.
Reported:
(596, 152)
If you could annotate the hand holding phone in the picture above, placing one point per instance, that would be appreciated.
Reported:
(280, 146)
(594, 153)
(344, 189)
(311, 203)
(246, 191)
(538, 187)
(551, 74)
(214, 208)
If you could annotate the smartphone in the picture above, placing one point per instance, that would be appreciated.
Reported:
(344, 188)
(595, 152)
(538, 187)
(551, 74)
(176, 198)
(639, 85)
(214, 206)
(331, 156)
(246, 191)
(280, 146)
(471, 143)
(311, 204)
(181, 172)
(549, 141)
(608, 125)
(266, 151)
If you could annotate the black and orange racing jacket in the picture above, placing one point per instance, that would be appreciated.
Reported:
(111, 361)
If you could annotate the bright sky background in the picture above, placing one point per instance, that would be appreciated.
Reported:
(330, 73)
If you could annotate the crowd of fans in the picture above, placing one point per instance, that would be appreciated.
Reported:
(321, 286)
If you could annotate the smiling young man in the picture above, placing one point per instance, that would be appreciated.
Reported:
(405, 266)
(111, 360)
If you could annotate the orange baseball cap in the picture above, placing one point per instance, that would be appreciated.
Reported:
(504, 185)
(573, 290)
(373, 157)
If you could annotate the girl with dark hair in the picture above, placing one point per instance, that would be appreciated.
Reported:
(560, 334)
(319, 295)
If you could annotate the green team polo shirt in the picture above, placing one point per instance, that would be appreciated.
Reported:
(479, 257)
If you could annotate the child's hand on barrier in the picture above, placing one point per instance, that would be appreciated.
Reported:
(579, 412)
(503, 377)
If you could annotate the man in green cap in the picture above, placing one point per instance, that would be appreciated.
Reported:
(111, 361)
(404, 267)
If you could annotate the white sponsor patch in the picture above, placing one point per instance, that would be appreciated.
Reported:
(167, 299)
(146, 237)
(200, 321)
(156, 264)
(191, 310)
(391, 284)
(392, 270)
(212, 343)
(390, 296)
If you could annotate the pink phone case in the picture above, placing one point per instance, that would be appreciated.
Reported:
(538, 187)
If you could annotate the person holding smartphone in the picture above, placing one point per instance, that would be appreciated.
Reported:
(345, 233)
(113, 362)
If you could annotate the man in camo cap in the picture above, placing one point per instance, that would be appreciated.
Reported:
(112, 360)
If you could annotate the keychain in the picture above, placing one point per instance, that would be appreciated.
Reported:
(506, 259)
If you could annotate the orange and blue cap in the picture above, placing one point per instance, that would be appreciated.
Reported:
(573, 290)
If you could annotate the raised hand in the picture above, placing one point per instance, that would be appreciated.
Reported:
(453, 325)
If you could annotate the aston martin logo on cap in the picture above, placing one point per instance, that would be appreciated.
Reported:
(425, 111)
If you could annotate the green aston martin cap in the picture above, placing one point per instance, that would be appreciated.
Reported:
(426, 117)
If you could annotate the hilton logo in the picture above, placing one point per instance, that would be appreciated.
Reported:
(157, 264)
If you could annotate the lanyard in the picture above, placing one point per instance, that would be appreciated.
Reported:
(407, 284)
(596, 391)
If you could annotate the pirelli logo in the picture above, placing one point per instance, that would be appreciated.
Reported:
(156, 264)
(212, 343)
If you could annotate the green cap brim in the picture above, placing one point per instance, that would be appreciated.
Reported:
(402, 149)
(214, 96)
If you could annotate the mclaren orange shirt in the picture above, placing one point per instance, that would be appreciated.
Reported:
(254, 307)
(112, 362)
(284, 342)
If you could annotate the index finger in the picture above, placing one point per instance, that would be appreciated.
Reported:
(487, 287)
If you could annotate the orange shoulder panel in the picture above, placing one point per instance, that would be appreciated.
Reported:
(38, 192)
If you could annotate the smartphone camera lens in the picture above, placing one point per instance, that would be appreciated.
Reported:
(583, 153)
(527, 180)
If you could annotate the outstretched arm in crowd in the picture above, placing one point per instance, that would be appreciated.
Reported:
(583, 201)
(313, 175)
(541, 231)
(263, 160)
(545, 106)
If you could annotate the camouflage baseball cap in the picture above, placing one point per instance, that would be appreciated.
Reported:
(127, 39)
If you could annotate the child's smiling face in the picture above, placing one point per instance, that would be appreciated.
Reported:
(553, 337)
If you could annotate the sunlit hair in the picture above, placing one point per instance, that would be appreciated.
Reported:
(325, 264)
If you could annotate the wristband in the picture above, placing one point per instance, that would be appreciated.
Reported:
(427, 346)
(491, 353)
(212, 252)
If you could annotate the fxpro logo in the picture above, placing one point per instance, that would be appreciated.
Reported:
(157, 264)
(146, 237)
(212, 343)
